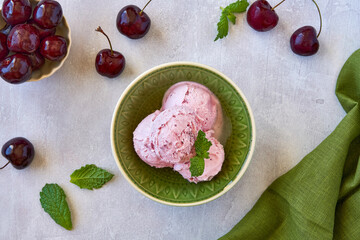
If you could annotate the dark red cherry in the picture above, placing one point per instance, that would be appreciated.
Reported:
(53, 48)
(15, 69)
(19, 152)
(23, 38)
(304, 41)
(109, 63)
(37, 60)
(16, 11)
(4, 51)
(48, 14)
(132, 22)
(261, 16)
(43, 32)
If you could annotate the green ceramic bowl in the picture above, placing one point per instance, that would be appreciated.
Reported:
(50, 67)
(143, 96)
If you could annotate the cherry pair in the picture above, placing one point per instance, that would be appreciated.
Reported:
(132, 22)
(262, 17)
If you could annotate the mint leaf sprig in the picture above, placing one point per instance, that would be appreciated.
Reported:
(227, 14)
(202, 146)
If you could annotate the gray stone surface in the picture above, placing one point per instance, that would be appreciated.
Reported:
(68, 115)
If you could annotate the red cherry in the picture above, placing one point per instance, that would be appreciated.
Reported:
(15, 69)
(19, 152)
(16, 11)
(37, 60)
(133, 22)
(261, 16)
(53, 48)
(304, 41)
(48, 14)
(23, 38)
(109, 63)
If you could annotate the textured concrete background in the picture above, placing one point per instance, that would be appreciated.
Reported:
(68, 115)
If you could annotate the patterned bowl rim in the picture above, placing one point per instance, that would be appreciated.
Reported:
(248, 157)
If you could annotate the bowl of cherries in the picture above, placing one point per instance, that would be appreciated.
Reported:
(34, 40)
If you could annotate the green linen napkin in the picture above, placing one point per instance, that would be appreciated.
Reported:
(320, 197)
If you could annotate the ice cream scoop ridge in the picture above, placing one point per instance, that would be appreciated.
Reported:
(166, 138)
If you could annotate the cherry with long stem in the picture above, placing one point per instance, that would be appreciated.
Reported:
(109, 63)
(144, 7)
(99, 29)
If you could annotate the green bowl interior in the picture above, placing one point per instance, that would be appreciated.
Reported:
(144, 97)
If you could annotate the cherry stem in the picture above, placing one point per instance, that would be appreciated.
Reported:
(272, 9)
(5, 165)
(99, 29)
(144, 7)
(317, 6)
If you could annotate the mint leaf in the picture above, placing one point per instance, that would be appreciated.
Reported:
(53, 201)
(227, 14)
(202, 146)
(231, 18)
(223, 27)
(197, 166)
(90, 177)
(238, 6)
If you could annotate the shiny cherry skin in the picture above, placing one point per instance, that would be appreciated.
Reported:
(6, 29)
(4, 51)
(261, 17)
(16, 11)
(304, 41)
(53, 48)
(19, 151)
(43, 32)
(131, 23)
(23, 38)
(37, 60)
(48, 14)
(15, 69)
(109, 65)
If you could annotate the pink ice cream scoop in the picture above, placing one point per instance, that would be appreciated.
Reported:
(173, 134)
(199, 98)
(212, 165)
(166, 138)
(142, 144)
